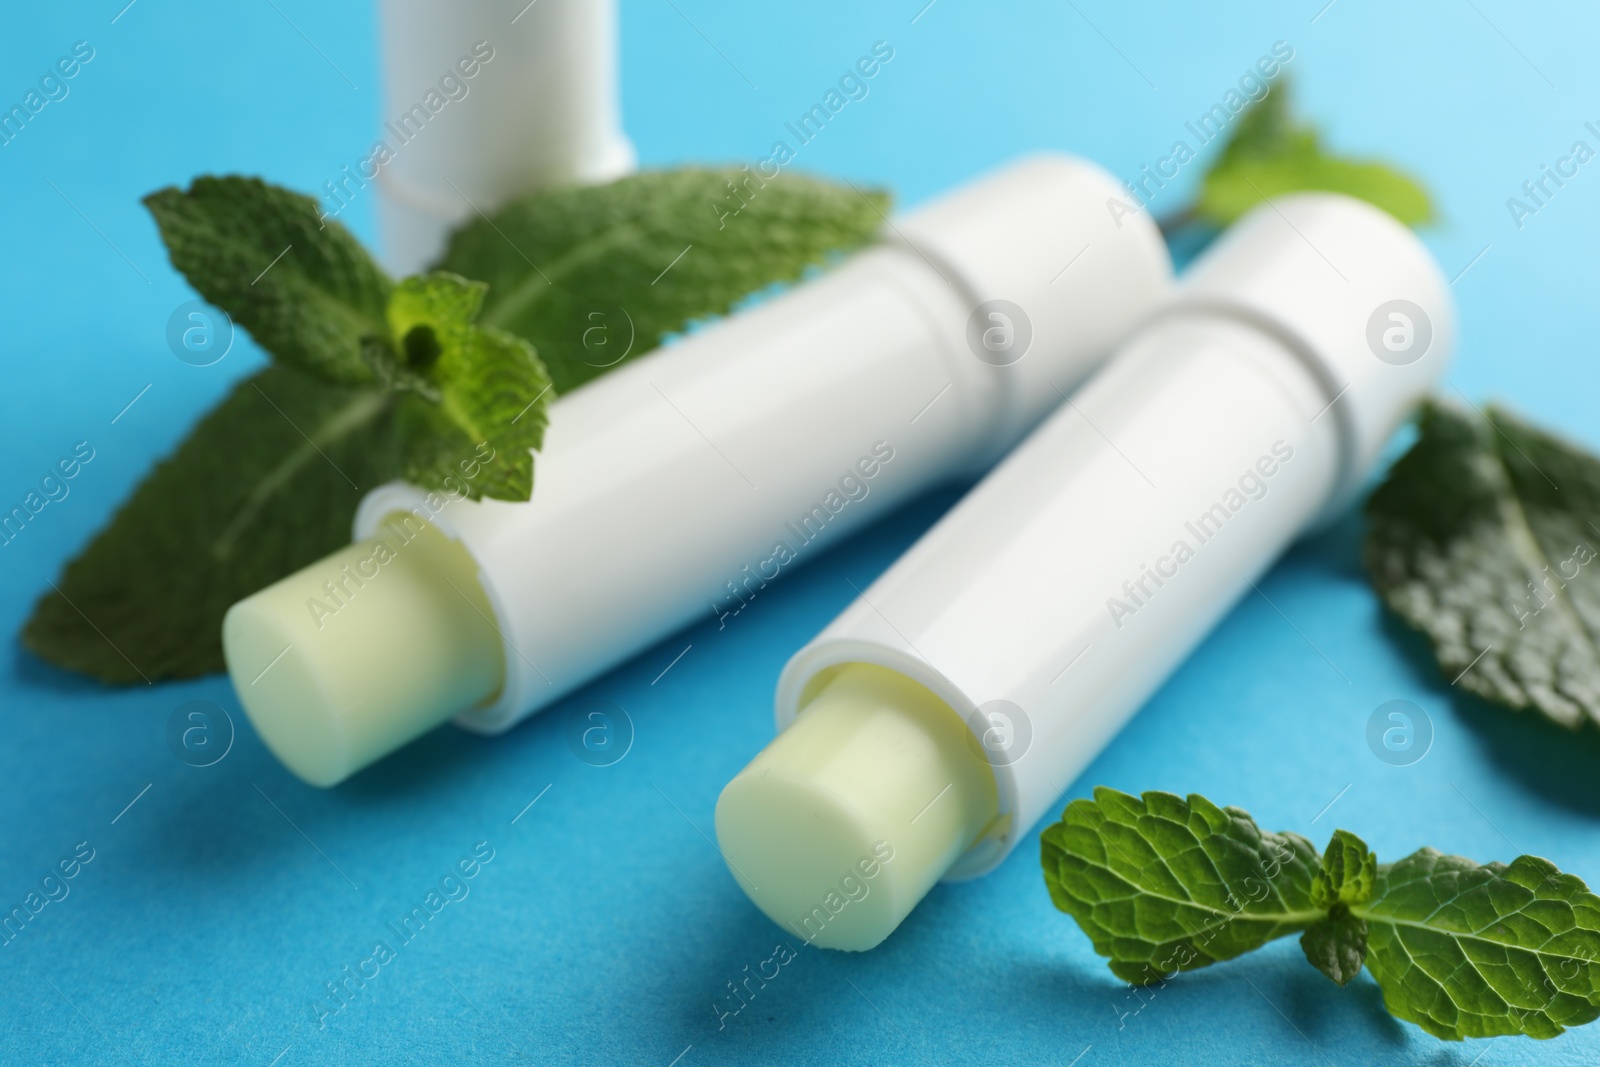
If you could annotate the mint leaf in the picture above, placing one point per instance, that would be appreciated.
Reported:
(598, 274)
(1271, 155)
(1482, 537)
(1337, 945)
(1347, 873)
(264, 485)
(1163, 884)
(1464, 950)
(486, 387)
(307, 292)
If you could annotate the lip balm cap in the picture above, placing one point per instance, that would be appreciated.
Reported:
(346, 660)
(1038, 253)
(1353, 292)
(847, 819)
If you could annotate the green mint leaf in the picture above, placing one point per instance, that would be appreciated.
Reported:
(1163, 884)
(1464, 950)
(598, 274)
(475, 388)
(1337, 945)
(306, 291)
(264, 485)
(1481, 537)
(1347, 873)
(1271, 155)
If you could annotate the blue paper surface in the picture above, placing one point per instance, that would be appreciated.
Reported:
(219, 901)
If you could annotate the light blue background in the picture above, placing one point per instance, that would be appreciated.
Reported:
(606, 925)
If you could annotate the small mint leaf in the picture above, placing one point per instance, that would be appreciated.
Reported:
(481, 396)
(1161, 883)
(306, 291)
(1347, 873)
(391, 371)
(594, 275)
(1337, 945)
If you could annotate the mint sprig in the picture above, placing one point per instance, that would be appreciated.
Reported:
(483, 387)
(431, 379)
(1163, 884)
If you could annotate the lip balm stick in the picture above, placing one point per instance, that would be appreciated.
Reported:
(929, 726)
(677, 486)
(488, 99)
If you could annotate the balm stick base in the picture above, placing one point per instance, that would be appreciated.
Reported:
(359, 653)
(847, 819)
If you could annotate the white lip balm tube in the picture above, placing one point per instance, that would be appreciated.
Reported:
(677, 486)
(485, 100)
(928, 727)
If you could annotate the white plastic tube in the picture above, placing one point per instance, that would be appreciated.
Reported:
(675, 487)
(488, 99)
(1053, 599)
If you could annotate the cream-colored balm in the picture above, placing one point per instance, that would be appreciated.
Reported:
(848, 794)
(951, 705)
(360, 650)
(676, 487)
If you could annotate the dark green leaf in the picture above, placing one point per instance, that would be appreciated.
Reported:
(1337, 945)
(1464, 950)
(265, 484)
(1271, 155)
(1163, 884)
(1480, 537)
(307, 291)
(597, 274)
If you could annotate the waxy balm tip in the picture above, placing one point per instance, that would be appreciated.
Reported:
(847, 819)
(365, 649)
